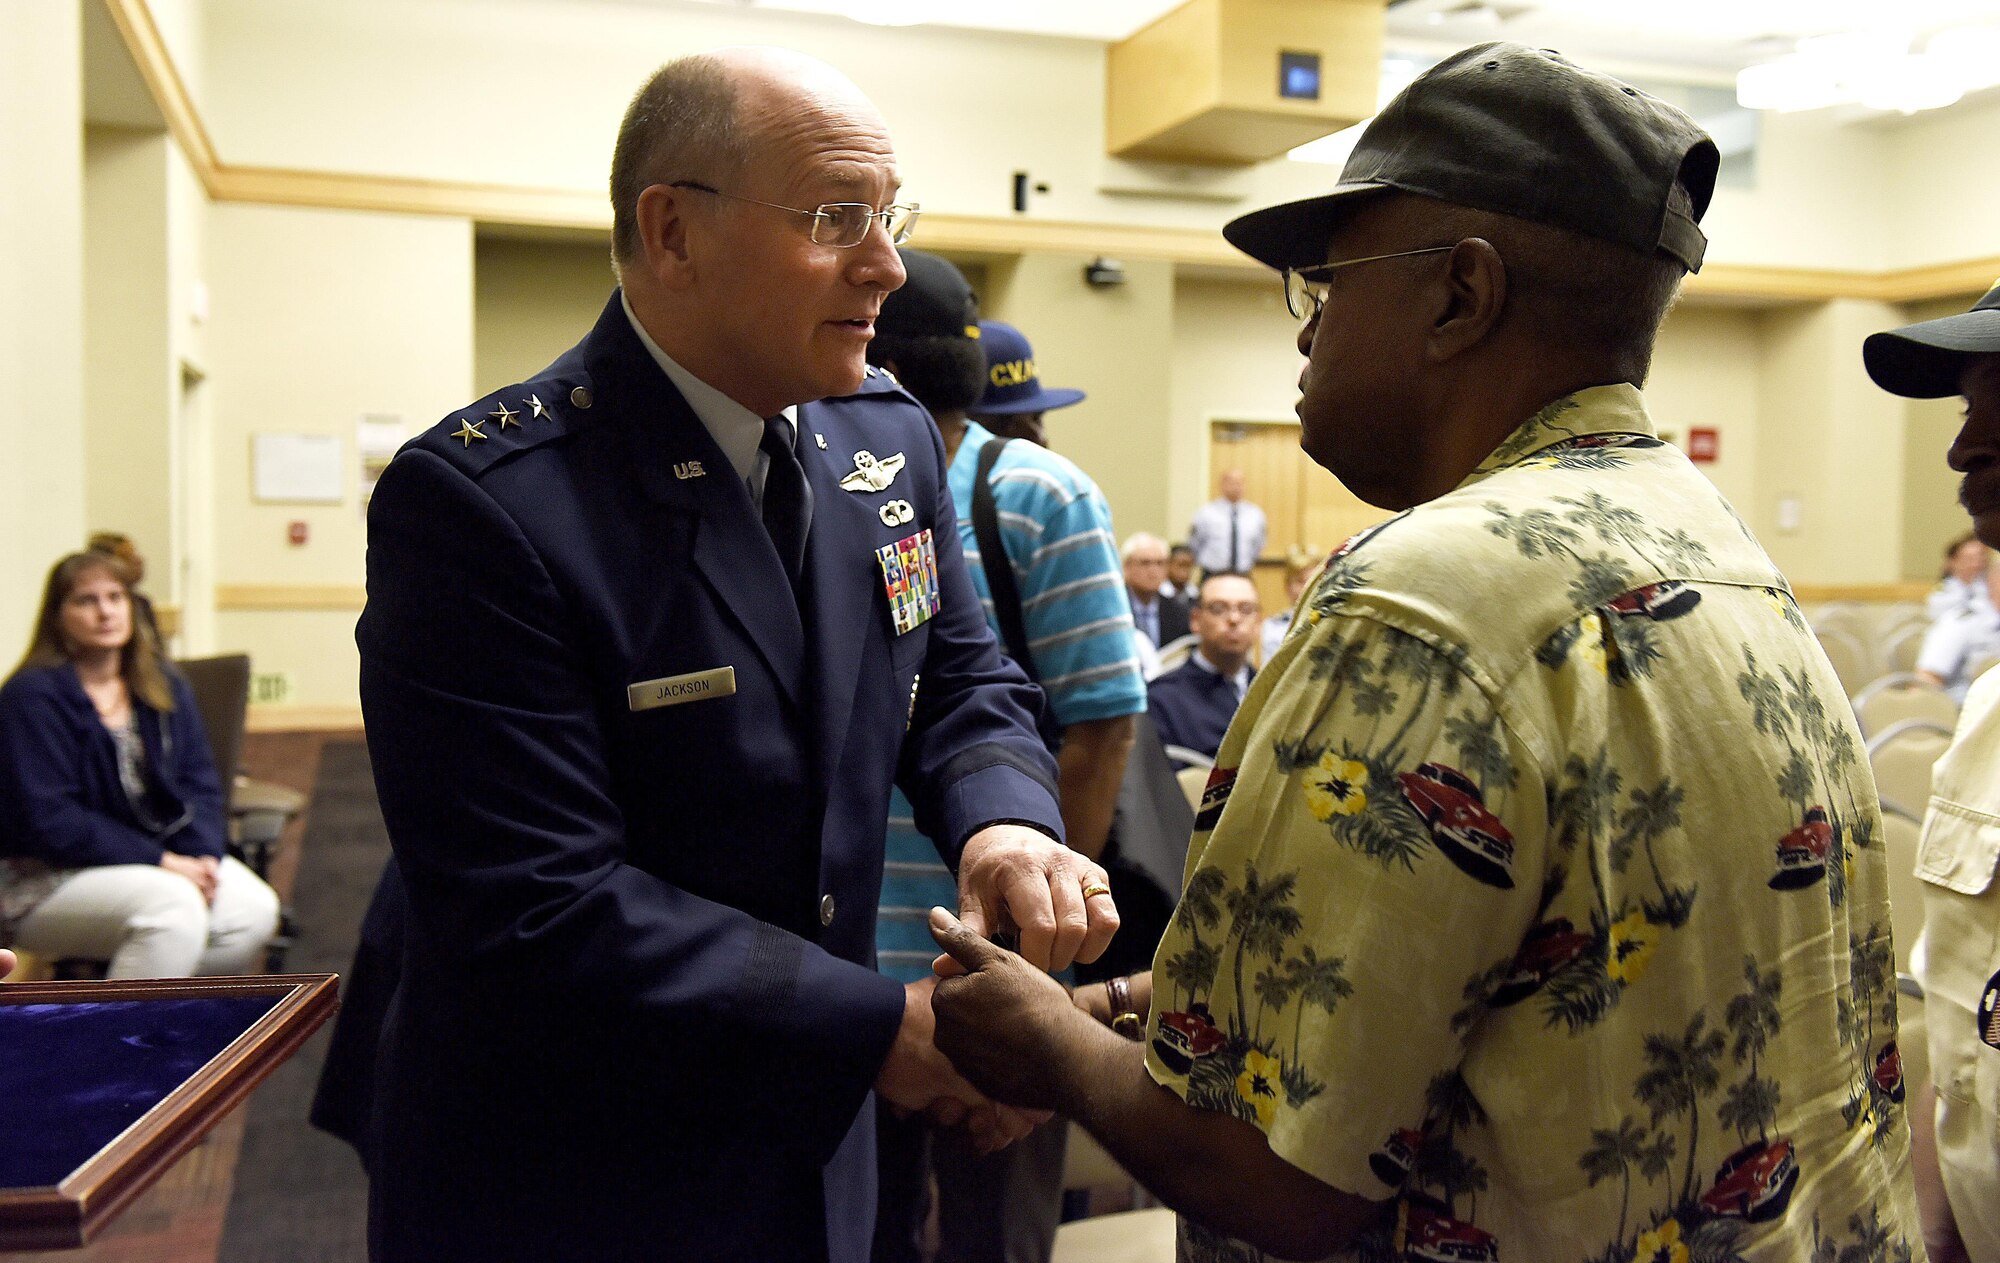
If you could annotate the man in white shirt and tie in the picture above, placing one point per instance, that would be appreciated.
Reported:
(1227, 533)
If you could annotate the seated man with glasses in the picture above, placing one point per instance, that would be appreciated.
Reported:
(649, 636)
(1537, 907)
(1193, 703)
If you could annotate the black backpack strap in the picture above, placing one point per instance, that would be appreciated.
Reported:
(993, 556)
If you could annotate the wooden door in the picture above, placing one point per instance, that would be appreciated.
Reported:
(1307, 507)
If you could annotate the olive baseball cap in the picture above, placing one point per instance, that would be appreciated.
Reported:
(1924, 360)
(1518, 131)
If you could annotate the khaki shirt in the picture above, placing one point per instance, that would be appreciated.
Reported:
(1958, 962)
(1540, 886)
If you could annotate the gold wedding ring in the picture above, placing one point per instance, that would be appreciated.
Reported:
(1096, 888)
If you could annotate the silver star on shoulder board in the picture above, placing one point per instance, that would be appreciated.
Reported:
(871, 474)
(468, 430)
(539, 411)
(505, 416)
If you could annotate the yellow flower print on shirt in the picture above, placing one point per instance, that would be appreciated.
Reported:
(1632, 942)
(1590, 644)
(1258, 1085)
(1334, 787)
(1662, 1244)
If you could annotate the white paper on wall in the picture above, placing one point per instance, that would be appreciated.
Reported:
(296, 468)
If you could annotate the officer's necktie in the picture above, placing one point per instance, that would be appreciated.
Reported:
(787, 497)
(1233, 545)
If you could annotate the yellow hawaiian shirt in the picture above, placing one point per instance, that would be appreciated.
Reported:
(1539, 888)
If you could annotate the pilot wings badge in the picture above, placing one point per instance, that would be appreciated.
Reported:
(871, 474)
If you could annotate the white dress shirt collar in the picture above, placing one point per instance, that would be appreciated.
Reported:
(735, 429)
(1241, 678)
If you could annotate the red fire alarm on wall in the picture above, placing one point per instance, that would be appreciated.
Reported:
(297, 533)
(1704, 444)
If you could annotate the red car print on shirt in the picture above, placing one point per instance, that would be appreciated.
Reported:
(1185, 1038)
(1213, 797)
(1545, 952)
(1658, 601)
(1467, 833)
(1802, 852)
(1398, 1154)
(1429, 1232)
(1755, 1182)
(1889, 1072)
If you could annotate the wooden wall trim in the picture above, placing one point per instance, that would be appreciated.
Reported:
(1862, 593)
(134, 22)
(289, 596)
(572, 209)
(286, 717)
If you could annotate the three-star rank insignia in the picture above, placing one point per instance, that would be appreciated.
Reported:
(505, 416)
(468, 430)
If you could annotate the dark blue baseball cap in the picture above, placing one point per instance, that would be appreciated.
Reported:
(1012, 385)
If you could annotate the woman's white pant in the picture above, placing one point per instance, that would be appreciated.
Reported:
(151, 923)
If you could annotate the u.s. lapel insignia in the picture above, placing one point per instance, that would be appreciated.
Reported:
(821, 440)
(895, 512)
(871, 474)
(539, 411)
(687, 469)
(468, 430)
(909, 574)
(505, 416)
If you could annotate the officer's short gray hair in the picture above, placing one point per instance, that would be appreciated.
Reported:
(681, 125)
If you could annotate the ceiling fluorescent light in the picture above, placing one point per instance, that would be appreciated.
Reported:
(1790, 83)
(1906, 84)
(1970, 53)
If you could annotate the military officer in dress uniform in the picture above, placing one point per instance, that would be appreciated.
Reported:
(648, 637)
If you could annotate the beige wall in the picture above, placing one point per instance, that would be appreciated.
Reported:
(1235, 358)
(531, 93)
(1946, 184)
(319, 318)
(1705, 373)
(1115, 345)
(41, 303)
(1834, 443)
(189, 577)
(532, 300)
(128, 374)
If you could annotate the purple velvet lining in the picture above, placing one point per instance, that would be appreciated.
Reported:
(73, 1076)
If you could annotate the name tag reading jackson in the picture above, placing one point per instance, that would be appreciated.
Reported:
(672, 690)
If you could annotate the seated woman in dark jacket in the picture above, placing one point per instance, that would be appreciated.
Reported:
(111, 817)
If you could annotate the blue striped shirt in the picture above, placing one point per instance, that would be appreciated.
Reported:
(1056, 528)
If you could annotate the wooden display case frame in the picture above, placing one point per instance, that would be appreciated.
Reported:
(71, 1211)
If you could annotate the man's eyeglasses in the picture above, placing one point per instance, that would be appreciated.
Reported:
(1305, 288)
(841, 224)
(1231, 609)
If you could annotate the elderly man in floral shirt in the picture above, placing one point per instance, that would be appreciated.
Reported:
(1537, 907)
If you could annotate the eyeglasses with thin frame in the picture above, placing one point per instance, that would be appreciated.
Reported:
(1305, 288)
(1231, 609)
(840, 224)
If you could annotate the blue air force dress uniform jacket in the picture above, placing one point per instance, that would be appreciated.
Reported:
(637, 795)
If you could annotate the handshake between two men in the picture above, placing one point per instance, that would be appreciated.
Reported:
(1012, 880)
